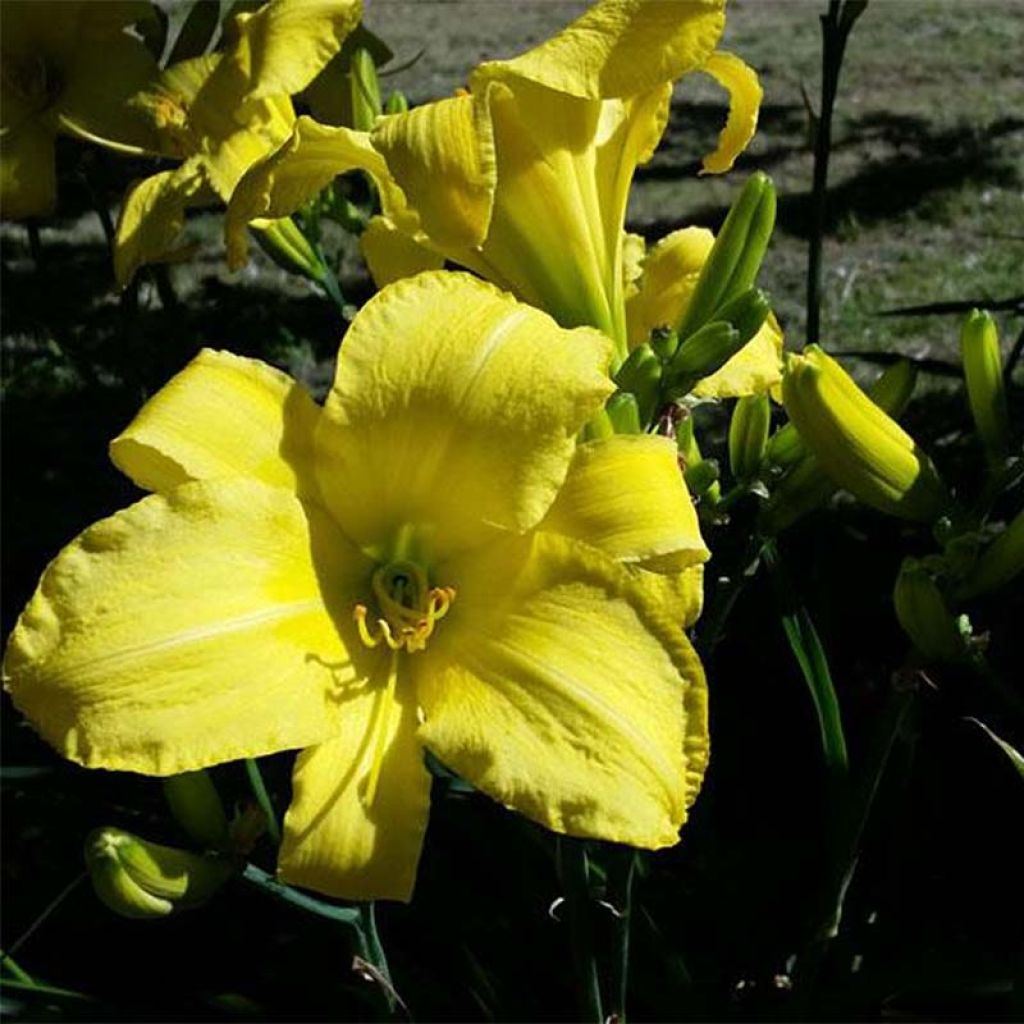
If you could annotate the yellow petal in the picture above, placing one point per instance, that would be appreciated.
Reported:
(757, 367)
(222, 416)
(335, 840)
(626, 495)
(454, 410)
(745, 94)
(310, 160)
(619, 48)
(188, 630)
(392, 254)
(101, 78)
(559, 687)
(680, 592)
(28, 173)
(669, 274)
(280, 49)
(442, 157)
(152, 218)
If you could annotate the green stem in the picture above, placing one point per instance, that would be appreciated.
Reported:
(621, 889)
(573, 868)
(725, 595)
(835, 30)
(43, 915)
(16, 972)
(286, 894)
(263, 799)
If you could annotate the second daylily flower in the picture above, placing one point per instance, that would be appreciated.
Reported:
(525, 178)
(429, 560)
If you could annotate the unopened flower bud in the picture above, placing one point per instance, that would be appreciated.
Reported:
(624, 413)
(197, 808)
(735, 258)
(137, 878)
(365, 97)
(983, 373)
(701, 475)
(288, 247)
(640, 375)
(396, 103)
(999, 563)
(924, 616)
(856, 443)
(748, 435)
(701, 355)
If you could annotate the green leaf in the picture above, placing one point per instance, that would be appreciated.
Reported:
(1011, 752)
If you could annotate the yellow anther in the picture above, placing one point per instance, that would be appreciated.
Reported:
(403, 625)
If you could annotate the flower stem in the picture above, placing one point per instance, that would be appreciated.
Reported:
(263, 799)
(835, 30)
(573, 869)
(621, 890)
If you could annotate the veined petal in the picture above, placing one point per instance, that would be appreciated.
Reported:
(745, 94)
(559, 687)
(669, 274)
(101, 78)
(454, 410)
(338, 841)
(618, 48)
(311, 159)
(391, 254)
(626, 496)
(755, 368)
(223, 415)
(190, 629)
(442, 157)
(279, 49)
(28, 172)
(681, 592)
(152, 218)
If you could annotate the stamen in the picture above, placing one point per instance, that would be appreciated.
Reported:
(382, 720)
(410, 610)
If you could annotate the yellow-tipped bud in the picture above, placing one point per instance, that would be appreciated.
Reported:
(288, 247)
(137, 878)
(856, 443)
(197, 808)
(365, 86)
(748, 435)
(924, 615)
(999, 563)
(983, 373)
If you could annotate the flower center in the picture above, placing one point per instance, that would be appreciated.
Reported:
(409, 608)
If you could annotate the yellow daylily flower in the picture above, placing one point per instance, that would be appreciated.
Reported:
(659, 295)
(427, 561)
(222, 113)
(67, 66)
(525, 178)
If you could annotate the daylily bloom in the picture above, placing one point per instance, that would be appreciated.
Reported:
(524, 179)
(68, 66)
(660, 284)
(427, 561)
(223, 112)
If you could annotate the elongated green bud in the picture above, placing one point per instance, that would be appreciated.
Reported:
(197, 808)
(891, 393)
(366, 104)
(137, 878)
(924, 616)
(396, 103)
(748, 435)
(288, 247)
(701, 475)
(664, 342)
(701, 354)
(732, 264)
(746, 313)
(640, 374)
(999, 563)
(624, 413)
(983, 372)
(856, 443)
